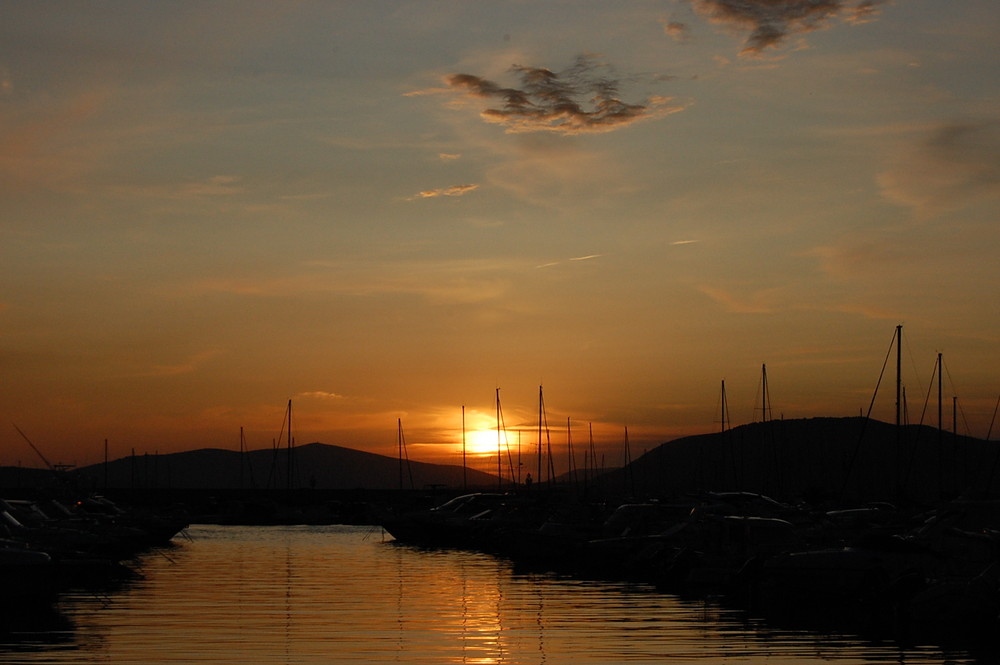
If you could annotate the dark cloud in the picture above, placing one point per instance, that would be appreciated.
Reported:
(577, 100)
(953, 164)
(770, 22)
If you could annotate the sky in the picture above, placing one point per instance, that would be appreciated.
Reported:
(389, 213)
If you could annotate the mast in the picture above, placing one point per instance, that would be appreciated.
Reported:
(940, 420)
(242, 452)
(954, 415)
(465, 469)
(403, 456)
(765, 400)
(593, 454)
(569, 452)
(724, 406)
(629, 472)
(539, 470)
(499, 447)
(290, 445)
(899, 380)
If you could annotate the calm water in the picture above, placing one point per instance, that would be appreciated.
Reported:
(343, 595)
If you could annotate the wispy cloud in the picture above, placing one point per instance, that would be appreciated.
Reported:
(454, 190)
(953, 163)
(581, 99)
(588, 257)
(220, 185)
(319, 394)
(462, 282)
(761, 302)
(187, 366)
(771, 22)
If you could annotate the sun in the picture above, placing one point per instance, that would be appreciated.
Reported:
(481, 442)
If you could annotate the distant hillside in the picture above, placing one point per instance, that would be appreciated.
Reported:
(316, 465)
(814, 458)
(848, 458)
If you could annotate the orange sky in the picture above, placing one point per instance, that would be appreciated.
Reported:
(386, 211)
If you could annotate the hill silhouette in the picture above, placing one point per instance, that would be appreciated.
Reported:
(853, 459)
(848, 459)
(315, 465)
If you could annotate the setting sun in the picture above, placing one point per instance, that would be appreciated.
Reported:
(482, 442)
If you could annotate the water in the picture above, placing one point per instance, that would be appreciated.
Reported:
(342, 594)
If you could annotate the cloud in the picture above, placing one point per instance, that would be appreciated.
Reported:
(588, 257)
(461, 282)
(447, 156)
(580, 99)
(761, 302)
(770, 22)
(320, 394)
(454, 190)
(953, 164)
(220, 185)
(679, 31)
(188, 366)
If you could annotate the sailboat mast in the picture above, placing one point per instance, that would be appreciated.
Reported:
(899, 380)
(499, 446)
(290, 476)
(724, 406)
(539, 476)
(765, 402)
(242, 453)
(940, 370)
(629, 471)
(465, 469)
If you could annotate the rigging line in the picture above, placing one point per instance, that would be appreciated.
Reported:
(720, 409)
(930, 387)
(996, 459)
(753, 416)
(33, 447)
(913, 361)
(920, 429)
(954, 391)
(864, 423)
(993, 420)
